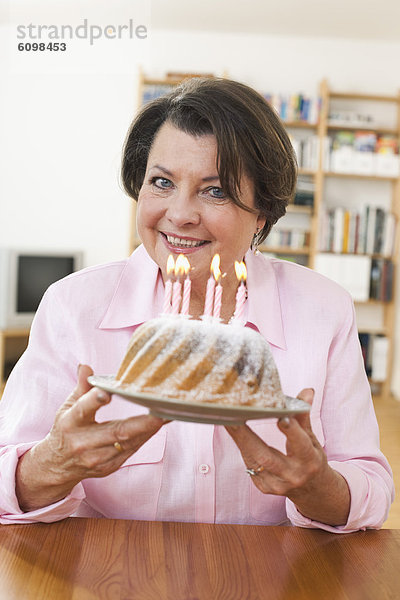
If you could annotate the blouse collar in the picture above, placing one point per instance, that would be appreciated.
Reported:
(139, 295)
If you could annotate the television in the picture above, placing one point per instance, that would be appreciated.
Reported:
(24, 277)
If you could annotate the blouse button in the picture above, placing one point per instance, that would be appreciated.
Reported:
(204, 468)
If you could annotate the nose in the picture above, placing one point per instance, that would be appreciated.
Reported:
(183, 208)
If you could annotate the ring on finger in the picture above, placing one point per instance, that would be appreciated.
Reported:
(256, 471)
(118, 447)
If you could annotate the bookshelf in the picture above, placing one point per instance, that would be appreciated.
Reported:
(298, 235)
(361, 118)
(357, 120)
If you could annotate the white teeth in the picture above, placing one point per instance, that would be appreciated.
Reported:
(175, 241)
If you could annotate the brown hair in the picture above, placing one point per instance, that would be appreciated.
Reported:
(250, 139)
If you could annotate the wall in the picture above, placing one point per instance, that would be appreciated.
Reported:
(61, 135)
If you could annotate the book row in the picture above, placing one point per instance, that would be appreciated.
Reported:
(370, 230)
(346, 158)
(381, 280)
(296, 239)
(350, 118)
(375, 349)
(305, 190)
(366, 141)
(364, 153)
(295, 107)
(307, 151)
(364, 278)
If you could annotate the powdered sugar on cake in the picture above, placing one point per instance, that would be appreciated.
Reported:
(201, 361)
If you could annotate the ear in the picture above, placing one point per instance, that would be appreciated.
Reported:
(261, 220)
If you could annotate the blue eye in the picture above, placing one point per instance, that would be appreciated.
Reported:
(217, 192)
(161, 182)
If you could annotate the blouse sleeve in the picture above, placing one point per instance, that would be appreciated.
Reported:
(352, 436)
(38, 385)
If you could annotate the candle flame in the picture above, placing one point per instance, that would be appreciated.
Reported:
(182, 266)
(241, 271)
(215, 270)
(170, 265)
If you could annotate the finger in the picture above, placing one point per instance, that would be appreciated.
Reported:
(300, 439)
(82, 385)
(269, 483)
(125, 435)
(83, 412)
(307, 395)
(255, 452)
(123, 438)
(133, 432)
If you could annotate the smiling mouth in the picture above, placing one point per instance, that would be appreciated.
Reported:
(183, 242)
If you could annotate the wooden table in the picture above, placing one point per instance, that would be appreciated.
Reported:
(114, 559)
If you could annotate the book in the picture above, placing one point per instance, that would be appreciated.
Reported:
(338, 223)
(389, 233)
(381, 280)
(387, 144)
(346, 229)
(370, 236)
(379, 357)
(366, 351)
(365, 141)
(379, 228)
(295, 107)
(350, 271)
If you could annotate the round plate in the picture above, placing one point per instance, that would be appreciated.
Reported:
(198, 412)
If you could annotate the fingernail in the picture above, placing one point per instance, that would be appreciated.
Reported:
(284, 422)
(102, 396)
(78, 368)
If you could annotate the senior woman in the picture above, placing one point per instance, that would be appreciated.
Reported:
(212, 170)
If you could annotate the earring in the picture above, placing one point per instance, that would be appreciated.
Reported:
(254, 242)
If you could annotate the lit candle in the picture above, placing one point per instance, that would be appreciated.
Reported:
(241, 274)
(168, 286)
(209, 302)
(218, 289)
(177, 286)
(186, 287)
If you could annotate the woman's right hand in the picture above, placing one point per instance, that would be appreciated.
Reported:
(78, 447)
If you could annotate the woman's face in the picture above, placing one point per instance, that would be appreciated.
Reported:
(182, 208)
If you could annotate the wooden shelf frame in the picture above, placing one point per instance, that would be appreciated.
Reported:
(5, 335)
(285, 250)
(359, 176)
(354, 127)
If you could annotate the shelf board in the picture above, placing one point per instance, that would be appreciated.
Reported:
(372, 302)
(15, 332)
(365, 97)
(373, 331)
(296, 208)
(162, 82)
(300, 124)
(359, 176)
(285, 250)
(354, 127)
(378, 256)
(302, 171)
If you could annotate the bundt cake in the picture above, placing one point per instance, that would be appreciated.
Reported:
(201, 361)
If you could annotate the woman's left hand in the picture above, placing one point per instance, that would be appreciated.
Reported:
(302, 474)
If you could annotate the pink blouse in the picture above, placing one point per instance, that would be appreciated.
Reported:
(189, 471)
